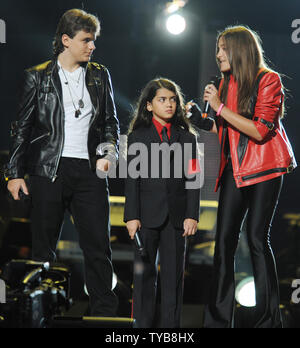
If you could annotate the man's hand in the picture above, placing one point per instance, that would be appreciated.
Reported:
(103, 165)
(190, 227)
(132, 227)
(15, 185)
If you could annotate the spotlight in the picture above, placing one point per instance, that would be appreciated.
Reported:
(176, 24)
(245, 292)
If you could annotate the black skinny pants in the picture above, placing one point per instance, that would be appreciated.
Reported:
(258, 202)
(80, 191)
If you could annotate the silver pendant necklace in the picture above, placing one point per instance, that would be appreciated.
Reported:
(80, 101)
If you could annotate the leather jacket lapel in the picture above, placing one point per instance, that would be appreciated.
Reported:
(244, 139)
(52, 73)
(92, 87)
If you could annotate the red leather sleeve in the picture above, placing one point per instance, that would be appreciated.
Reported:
(269, 101)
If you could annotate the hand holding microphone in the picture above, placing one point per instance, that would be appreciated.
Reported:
(211, 97)
(139, 245)
(133, 227)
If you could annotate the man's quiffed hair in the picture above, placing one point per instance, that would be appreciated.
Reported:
(71, 23)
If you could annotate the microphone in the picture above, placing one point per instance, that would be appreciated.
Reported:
(213, 81)
(139, 245)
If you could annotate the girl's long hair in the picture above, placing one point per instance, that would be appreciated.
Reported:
(143, 118)
(246, 57)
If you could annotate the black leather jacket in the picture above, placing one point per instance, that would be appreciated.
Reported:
(38, 135)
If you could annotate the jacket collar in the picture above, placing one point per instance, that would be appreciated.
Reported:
(156, 138)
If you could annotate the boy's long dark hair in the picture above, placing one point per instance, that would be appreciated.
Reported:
(143, 118)
(71, 23)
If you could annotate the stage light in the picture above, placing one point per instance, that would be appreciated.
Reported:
(176, 24)
(245, 292)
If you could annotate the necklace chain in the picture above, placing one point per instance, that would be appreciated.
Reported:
(80, 101)
(78, 79)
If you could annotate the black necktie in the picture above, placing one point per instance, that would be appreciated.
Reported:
(164, 134)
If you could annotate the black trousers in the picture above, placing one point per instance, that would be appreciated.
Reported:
(78, 189)
(258, 202)
(171, 246)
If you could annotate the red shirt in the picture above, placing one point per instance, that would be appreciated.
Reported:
(194, 165)
(159, 127)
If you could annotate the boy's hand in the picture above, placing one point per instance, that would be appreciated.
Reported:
(133, 226)
(190, 227)
(15, 185)
(103, 165)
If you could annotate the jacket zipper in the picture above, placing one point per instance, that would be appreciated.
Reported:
(266, 172)
(224, 134)
(31, 142)
(62, 127)
(90, 125)
(40, 137)
(92, 119)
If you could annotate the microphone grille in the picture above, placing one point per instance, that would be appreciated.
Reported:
(214, 80)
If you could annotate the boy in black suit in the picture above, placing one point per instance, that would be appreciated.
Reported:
(162, 199)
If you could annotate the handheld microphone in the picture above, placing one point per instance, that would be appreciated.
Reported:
(206, 110)
(139, 245)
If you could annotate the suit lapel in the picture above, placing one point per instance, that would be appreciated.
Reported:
(153, 135)
(174, 134)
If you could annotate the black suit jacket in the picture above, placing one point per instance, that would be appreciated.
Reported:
(151, 199)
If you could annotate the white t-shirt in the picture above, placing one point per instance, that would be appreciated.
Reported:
(76, 129)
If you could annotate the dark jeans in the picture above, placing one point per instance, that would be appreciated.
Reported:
(259, 201)
(171, 246)
(80, 191)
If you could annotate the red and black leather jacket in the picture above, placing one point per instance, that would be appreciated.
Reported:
(257, 161)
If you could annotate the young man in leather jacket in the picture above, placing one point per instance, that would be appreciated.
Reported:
(67, 128)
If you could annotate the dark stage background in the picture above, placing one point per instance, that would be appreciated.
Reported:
(136, 47)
